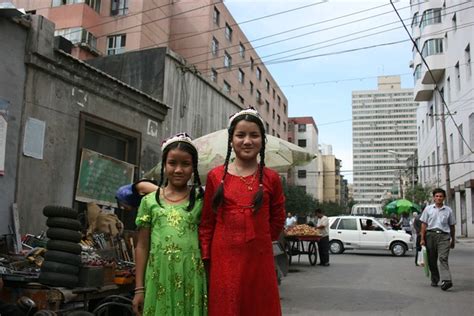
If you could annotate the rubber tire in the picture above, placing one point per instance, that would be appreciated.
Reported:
(340, 248)
(64, 222)
(51, 266)
(66, 246)
(63, 257)
(45, 312)
(58, 279)
(312, 254)
(59, 211)
(64, 234)
(398, 243)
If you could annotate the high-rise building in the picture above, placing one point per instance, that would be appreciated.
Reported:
(383, 137)
(332, 179)
(303, 132)
(202, 31)
(443, 32)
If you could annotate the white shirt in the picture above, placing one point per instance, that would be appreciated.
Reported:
(323, 221)
(438, 218)
(290, 221)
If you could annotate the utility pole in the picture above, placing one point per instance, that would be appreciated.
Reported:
(445, 156)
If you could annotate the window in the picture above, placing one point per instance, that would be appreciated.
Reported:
(214, 46)
(448, 84)
(417, 73)
(414, 22)
(241, 76)
(431, 16)
(242, 50)
(213, 74)
(116, 44)
(216, 15)
(431, 116)
(78, 35)
(471, 130)
(251, 87)
(241, 99)
(458, 76)
(284, 108)
(267, 127)
(252, 63)
(302, 174)
(451, 147)
(228, 32)
(301, 127)
(259, 74)
(273, 114)
(259, 97)
(119, 7)
(467, 57)
(227, 60)
(334, 225)
(267, 85)
(273, 132)
(302, 142)
(226, 87)
(432, 47)
(284, 126)
(273, 93)
(278, 100)
(94, 4)
(347, 224)
(278, 119)
(460, 141)
(268, 107)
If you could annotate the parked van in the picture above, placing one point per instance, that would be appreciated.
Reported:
(367, 209)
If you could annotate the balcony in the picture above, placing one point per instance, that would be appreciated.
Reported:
(423, 92)
(437, 65)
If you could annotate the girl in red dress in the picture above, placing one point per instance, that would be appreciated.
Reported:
(243, 212)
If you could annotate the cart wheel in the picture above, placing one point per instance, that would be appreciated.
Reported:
(312, 253)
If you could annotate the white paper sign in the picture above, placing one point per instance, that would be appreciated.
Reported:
(33, 142)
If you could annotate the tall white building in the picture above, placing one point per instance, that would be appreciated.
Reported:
(383, 137)
(444, 33)
(303, 132)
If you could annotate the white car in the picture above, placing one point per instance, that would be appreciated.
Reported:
(355, 232)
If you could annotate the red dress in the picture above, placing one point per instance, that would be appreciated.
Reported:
(238, 243)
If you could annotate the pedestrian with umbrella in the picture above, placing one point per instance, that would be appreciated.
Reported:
(243, 212)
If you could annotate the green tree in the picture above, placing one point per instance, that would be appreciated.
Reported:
(418, 194)
(298, 201)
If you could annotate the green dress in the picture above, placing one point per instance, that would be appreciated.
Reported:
(175, 279)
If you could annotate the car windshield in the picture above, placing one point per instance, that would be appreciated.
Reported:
(378, 222)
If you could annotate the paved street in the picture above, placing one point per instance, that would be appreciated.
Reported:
(375, 283)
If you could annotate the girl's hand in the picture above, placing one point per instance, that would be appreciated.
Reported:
(138, 300)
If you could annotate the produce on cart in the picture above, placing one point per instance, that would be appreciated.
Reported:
(301, 240)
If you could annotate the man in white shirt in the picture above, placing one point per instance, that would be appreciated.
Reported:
(290, 220)
(323, 243)
(438, 234)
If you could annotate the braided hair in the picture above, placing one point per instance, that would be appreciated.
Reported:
(196, 186)
(218, 198)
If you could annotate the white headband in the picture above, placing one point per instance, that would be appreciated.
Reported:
(248, 111)
(180, 137)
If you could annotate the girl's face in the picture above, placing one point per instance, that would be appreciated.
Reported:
(178, 167)
(247, 140)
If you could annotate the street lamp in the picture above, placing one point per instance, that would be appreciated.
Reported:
(400, 184)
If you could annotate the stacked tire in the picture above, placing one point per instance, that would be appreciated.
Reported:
(62, 260)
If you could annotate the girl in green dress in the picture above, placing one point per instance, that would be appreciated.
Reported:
(170, 277)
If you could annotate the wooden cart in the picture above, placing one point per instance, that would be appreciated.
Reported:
(302, 245)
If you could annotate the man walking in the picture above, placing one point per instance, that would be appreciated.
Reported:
(437, 224)
(323, 243)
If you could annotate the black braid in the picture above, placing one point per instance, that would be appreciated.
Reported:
(258, 198)
(219, 195)
(196, 185)
(162, 177)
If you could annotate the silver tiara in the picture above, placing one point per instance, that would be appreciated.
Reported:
(248, 111)
(180, 137)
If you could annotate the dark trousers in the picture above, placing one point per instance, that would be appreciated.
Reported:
(437, 247)
(323, 249)
(417, 247)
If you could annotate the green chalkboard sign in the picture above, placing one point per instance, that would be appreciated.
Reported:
(100, 176)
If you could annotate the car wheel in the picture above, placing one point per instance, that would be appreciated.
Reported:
(59, 211)
(64, 222)
(64, 234)
(66, 246)
(398, 249)
(336, 247)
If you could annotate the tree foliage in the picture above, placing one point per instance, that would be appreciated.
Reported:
(418, 194)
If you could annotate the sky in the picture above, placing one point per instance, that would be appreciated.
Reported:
(321, 86)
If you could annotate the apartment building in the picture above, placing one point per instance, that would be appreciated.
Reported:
(332, 179)
(303, 132)
(202, 31)
(383, 137)
(444, 33)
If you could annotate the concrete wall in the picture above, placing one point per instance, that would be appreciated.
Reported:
(197, 106)
(12, 80)
(58, 89)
